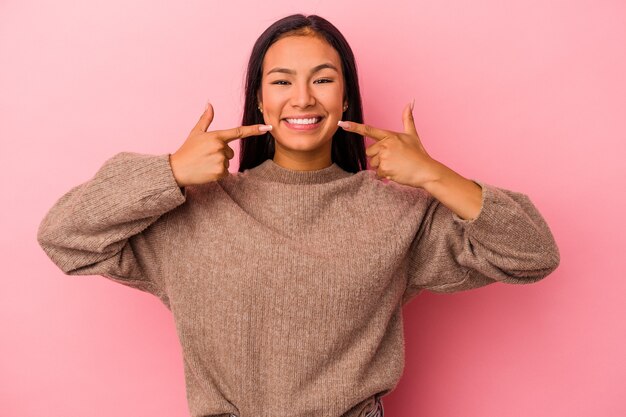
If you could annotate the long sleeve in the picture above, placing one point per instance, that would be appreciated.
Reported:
(509, 241)
(107, 225)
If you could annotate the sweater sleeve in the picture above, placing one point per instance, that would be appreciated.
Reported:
(108, 225)
(509, 241)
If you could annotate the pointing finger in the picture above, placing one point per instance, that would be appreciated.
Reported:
(240, 132)
(365, 130)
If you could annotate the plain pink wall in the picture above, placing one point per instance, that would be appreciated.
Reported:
(526, 95)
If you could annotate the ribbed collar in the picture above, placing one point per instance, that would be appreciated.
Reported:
(270, 171)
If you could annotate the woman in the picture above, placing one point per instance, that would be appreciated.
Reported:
(287, 279)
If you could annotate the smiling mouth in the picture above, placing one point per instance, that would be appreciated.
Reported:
(301, 121)
(303, 124)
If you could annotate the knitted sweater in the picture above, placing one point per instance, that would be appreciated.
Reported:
(286, 286)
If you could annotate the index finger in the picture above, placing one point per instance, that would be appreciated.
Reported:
(228, 135)
(366, 130)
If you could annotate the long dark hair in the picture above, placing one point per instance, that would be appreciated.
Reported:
(348, 148)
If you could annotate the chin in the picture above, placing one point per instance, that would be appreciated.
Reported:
(300, 143)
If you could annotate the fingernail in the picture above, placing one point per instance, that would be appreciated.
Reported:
(265, 128)
(412, 104)
(343, 124)
(207, 106)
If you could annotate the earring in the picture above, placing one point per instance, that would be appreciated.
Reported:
(345, 107)
(260, 109)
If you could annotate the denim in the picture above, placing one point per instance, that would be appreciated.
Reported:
(378, 411)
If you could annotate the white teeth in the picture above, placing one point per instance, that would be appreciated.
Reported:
(304, 121)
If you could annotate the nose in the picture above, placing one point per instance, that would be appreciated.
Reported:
(302, 96)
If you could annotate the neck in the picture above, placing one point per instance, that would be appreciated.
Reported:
(303, 161)
(308, 165)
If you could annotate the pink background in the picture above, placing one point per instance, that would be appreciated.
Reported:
(526, 95)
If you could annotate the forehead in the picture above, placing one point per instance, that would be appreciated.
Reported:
(300, 52)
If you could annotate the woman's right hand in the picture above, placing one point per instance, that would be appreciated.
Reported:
(204, 156)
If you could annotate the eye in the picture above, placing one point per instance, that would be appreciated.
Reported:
(324, 80)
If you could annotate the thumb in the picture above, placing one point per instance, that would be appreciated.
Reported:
(408, 121)
(205, 120)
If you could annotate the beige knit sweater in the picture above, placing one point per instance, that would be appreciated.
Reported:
(287, 286)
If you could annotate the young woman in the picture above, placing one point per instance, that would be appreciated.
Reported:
(287, 278)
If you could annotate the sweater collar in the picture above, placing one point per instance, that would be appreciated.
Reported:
(270, 171)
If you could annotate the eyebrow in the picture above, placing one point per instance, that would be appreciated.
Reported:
(313, 70)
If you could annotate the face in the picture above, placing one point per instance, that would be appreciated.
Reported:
(302, 76)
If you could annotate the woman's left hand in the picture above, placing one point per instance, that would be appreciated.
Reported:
(398, 156)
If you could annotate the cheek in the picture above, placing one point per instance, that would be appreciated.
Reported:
(335, 99)
(273, 105)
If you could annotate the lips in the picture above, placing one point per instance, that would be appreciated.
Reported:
(304, 116)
